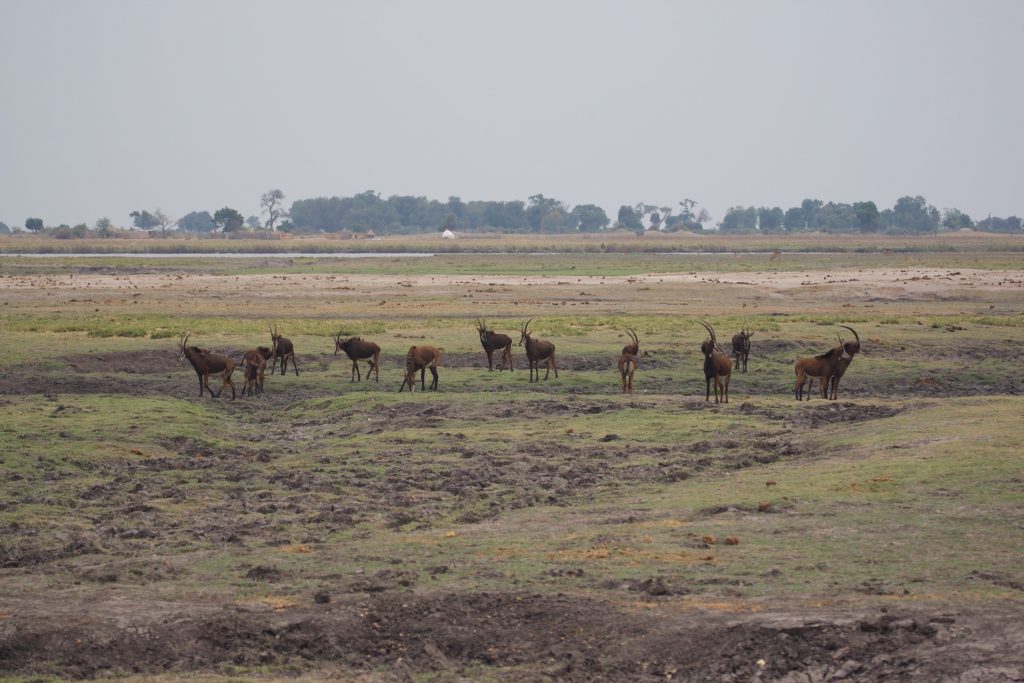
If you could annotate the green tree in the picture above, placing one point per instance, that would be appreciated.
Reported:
(103, 227)
(457, 208)
(739, 219)
(837, 217)
(162, 221)
(144, 220)
(34, 224)
(770, 220)
(252, 222)
(867, 216)
(914, 214)
(590, 217)
(629, 219)
(4, 229)
(794, 219)
(538, 209)
(272, 202)
(955, 219)
(688, 218)
(559, 220)
(1010, 224)
(228, 219)
(197, 221)
(811, 210)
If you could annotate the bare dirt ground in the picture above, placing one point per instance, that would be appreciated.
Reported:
(539, 637)
(394, 623)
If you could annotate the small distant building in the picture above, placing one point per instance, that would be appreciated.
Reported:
(370, 234)
(448, 235)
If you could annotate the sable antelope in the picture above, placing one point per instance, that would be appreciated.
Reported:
(282, 348)
(254, 365)
(492, 341)
(627, 362)
(821, 367)
(741, 348)
(536, 351)
(850, 349)
(421, 358)
(357, 349)
(205, 364)
(717, 366)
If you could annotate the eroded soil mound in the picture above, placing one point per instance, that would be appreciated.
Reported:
(563, 637)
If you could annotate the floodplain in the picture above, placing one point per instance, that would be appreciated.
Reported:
(505, 530)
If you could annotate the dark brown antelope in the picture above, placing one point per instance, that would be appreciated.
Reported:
(493, 341)
(627, 362)
(821, 367)
(254, 365)
(536, 351)
(357, 349)
(421, 358)
(741, 348)
(839, 362)
(850, 349)
(282, 348)
(206, 364)
(717, 367)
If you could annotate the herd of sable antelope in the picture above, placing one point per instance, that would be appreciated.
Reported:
(828, 367)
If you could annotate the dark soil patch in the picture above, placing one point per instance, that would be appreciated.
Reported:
(129, 362)
(561, 637)
(832, 412)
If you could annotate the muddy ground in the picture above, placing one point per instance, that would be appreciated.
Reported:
(540, 637)
(120, 587)
(392, 622)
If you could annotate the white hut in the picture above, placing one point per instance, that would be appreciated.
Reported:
(448, 235)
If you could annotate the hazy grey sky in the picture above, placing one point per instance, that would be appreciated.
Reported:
(109, 106)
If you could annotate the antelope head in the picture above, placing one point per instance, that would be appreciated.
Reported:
(481, 328)
(524, 332)
(338, 344)
(183, 345)
(852, 348)
(710, 345)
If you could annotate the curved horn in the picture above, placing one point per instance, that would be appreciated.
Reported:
(632, 333)
(714, 339)
(854, 333)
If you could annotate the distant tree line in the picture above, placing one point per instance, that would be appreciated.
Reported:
(403, 214)
(908, 215)
(400, 214)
